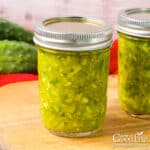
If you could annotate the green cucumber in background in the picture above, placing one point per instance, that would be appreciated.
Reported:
(17, 56)
(12, 31)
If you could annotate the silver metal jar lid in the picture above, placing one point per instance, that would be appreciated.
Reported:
(73, 34)
(135, 22)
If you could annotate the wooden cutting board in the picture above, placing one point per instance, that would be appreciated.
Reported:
(22, 129)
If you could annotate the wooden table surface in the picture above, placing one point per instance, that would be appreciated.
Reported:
(22, 129)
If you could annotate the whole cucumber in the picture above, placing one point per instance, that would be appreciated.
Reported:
(12, 31)
(17, 56)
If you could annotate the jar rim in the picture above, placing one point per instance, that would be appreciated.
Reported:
(73, 33)
(135, 22)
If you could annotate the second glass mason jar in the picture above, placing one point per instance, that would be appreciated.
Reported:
(134, 61)
(73, 60)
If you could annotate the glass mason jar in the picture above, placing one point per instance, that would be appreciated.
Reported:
(73, 58)
(134, 61)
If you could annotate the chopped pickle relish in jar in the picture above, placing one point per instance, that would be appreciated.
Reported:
(134, 61)
(73, 72)
(73, 89)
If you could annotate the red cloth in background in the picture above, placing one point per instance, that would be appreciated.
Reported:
(17, 77)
